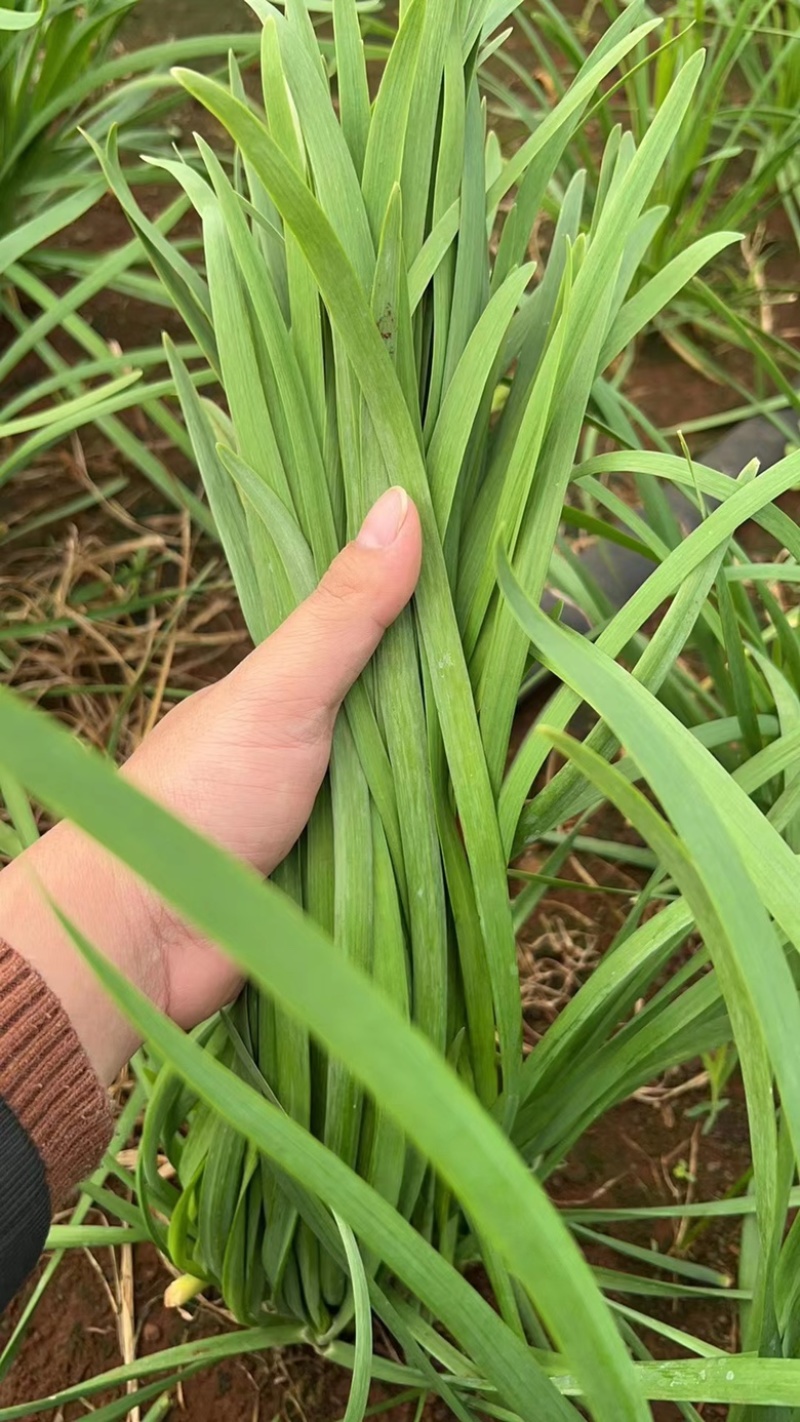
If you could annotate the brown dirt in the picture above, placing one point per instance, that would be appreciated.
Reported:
(641, 1155)
(75, 1337)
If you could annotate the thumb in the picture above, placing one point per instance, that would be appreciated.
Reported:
(243, 761)
(309, 664)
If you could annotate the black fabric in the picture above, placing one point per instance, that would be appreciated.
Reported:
(24, 1205)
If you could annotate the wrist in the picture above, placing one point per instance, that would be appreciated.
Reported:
(111, 908)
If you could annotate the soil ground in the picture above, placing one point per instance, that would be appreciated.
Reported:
(649, 1151)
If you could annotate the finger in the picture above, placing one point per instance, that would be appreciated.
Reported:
(307, 667)
(244, 760)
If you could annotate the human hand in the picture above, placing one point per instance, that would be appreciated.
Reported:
(242, 762)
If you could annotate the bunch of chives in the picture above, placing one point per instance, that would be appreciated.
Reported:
(366, 291)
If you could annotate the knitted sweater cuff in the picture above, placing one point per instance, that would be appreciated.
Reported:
(46, 1079)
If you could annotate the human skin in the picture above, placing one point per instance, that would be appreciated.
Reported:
(242, 762)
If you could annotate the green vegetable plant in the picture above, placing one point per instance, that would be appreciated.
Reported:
(64, 80)
(734, 166)
(363, 1125)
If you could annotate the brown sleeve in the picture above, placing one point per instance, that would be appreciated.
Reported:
(46, 1079)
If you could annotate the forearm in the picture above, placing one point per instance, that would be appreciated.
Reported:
(106, 903)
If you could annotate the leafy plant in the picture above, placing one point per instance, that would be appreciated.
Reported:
(62, 82)
(293, 474)
(363, 1125)
(61, 71)
(730, 168)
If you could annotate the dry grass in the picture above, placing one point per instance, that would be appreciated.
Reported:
(560, 945)
(120, 611)
(109, 614)
(560, 948)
